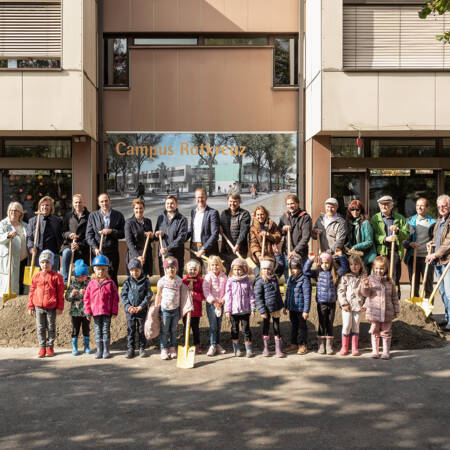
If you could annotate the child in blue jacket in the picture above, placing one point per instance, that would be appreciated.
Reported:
(136, 295)
(327, 276)
(269, 304)
(298, 302)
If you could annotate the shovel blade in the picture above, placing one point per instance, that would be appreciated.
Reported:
(7, 297)
(423, 303)
(29, 274)
(185, 359)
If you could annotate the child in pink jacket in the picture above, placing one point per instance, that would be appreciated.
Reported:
(101, 300)
(214, 290)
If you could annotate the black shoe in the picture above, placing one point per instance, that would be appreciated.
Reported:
(130, 353)
(442, 323)
(142, 353)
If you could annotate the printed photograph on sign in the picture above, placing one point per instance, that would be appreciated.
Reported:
(261, 167)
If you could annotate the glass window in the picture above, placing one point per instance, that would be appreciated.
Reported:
(29, 186)
(346, 148)
(398, 148)
(116, 62)
(285, 61)
(445, 148)
(24, 148)
(264, 40)
(345, 188)
(30, 63)
(165, 41)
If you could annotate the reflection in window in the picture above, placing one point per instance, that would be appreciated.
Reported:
(237, 41)
(25, 148)
(285, 61)
(29, 186)
(116, 62)
(346, 148)
(345, 188)
(165, 41)
(445, 149)
(30, 63)
(398, 148)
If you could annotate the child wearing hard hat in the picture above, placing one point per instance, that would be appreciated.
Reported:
(45, 301)
(101, 300)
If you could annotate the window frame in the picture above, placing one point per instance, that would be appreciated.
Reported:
(295, 52)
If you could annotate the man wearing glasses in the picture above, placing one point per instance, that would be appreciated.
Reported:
(441, 255)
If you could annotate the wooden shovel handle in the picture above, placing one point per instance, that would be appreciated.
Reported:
(391, 265)
(36, 235)
(100, 247)
(263, 246)
(146, 246)
(230, 244)
(413, 277)
(441, 279)
(9, 265)
(161, 246)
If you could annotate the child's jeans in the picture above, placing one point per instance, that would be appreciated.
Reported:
(215, 324)
(136, 321)
(45, 320)
(102, 326)
(297, 321)
(383, 329)
(245, 319)
(350, 322)
(80, 322)
(169, 321)
(326, 312)
(195, 327)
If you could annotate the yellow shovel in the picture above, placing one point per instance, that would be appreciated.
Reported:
(186, 354)
(31, 271)
(9, 295)
(428, 303)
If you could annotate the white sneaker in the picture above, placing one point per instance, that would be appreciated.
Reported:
(220, 349)
(173, 352)
(164, 354)
(211, 351)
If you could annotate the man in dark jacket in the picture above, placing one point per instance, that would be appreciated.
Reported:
(109, 223)
(173, 229)
(74, 235)
(298, 224)
(50, 231)
(205, 224)
(235, 224)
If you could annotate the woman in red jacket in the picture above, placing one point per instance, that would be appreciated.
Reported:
(46, 300)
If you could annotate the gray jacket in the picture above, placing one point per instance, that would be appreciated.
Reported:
(334, 236)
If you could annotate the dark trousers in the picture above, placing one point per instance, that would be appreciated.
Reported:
(136, 321)
(266, 326)
(397, 269)
(23, 263)
(114, 260)
(298, 322)
(195, 327)
(326, 312)
(420, 272)
(245, 320)
(77, 323)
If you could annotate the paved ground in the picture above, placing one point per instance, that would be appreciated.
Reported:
(225, 402)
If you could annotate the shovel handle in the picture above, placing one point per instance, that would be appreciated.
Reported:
(100, 247)
(413, 278)
(69, 278)
(9, 265)
(146, 246)
(36, 235)
(441, 279)
(230, 244)
(161, 246)
(289, 249)
(263, 246)
(391, 265)
(427, 265)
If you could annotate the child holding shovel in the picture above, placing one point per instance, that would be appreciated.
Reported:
(46, 301)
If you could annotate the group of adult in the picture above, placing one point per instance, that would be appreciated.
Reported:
(86, 234)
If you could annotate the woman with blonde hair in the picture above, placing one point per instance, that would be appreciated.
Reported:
(12, 227)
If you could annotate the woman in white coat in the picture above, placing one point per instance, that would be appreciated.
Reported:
(13, 227)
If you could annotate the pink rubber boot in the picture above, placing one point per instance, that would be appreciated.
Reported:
(345, 344)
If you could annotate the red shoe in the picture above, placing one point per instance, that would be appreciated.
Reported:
(198, 350)
(49, 352)
(41, 353)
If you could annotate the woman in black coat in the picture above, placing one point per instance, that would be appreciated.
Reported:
(137, 228)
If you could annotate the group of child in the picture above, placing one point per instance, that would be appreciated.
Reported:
(236, 296)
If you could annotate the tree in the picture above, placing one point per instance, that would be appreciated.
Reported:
(284, 158)
(117, 163)
(436, 7)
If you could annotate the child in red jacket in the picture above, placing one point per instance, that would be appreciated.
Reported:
(46, 300)
(195, 283)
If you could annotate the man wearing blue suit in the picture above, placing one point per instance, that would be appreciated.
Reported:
(205, 224)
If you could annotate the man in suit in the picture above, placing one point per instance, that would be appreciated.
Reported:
(109, 223)
(205, 224)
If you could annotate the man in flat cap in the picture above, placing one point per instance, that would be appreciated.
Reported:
(330, 228)
(388, 227)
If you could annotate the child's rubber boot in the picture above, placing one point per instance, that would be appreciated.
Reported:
(236, 349)
(345, 343)
(266, 340)
(321, 349)
(278, 347)
(41, 353)
(87, 349)
(375, 344)
(75, 346)
(106, 354)
(355, 342)
(49, 352)
(99, 352)
(248, 350)
(386, 348)
(330, 349)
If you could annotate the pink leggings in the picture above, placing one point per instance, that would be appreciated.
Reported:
(383, 329)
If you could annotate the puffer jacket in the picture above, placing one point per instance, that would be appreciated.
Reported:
(239, 296)
(298, 294)
(101, 299)
(46, 291)
(382, 301)
(267, 295)
(197, 294)
(136, 293)
(214, 287)
(325, 287)
(349, 293)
